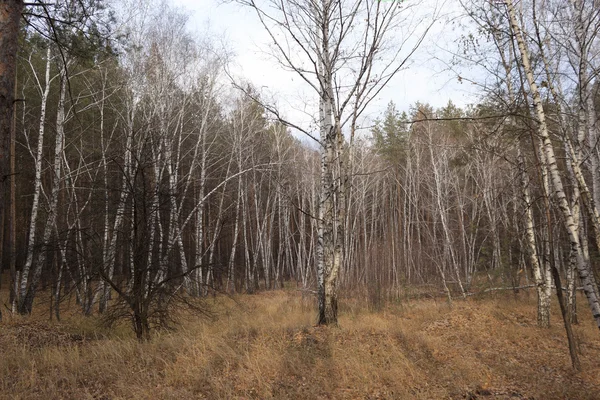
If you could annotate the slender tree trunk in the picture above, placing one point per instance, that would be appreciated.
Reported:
(12, 231)
(10, 16)
(231, 265)
(110, 246)
(543, 295)
(37, 188)
(199, 244)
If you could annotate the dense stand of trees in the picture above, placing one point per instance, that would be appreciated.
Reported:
(144, 181)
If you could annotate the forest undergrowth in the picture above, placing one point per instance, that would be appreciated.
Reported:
(266, 346)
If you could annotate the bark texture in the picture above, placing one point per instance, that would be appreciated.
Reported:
(10, 14)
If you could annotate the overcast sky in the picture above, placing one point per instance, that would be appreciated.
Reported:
(425, 80)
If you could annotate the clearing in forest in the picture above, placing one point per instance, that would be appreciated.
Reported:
(265, 346)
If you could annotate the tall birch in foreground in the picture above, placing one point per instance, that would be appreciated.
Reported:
(346, 51)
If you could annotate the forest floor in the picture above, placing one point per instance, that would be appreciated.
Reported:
(265, 346)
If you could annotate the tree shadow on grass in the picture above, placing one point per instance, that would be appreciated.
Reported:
(307, 370)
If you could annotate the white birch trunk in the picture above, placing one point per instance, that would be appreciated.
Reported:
(37, 188)
(543, 290)
(27, 301)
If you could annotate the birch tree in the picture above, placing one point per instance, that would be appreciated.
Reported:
(557, 180)
(334, 46)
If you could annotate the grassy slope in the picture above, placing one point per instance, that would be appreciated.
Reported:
(266, 347)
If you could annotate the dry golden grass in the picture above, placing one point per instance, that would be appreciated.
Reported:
(265, 346)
